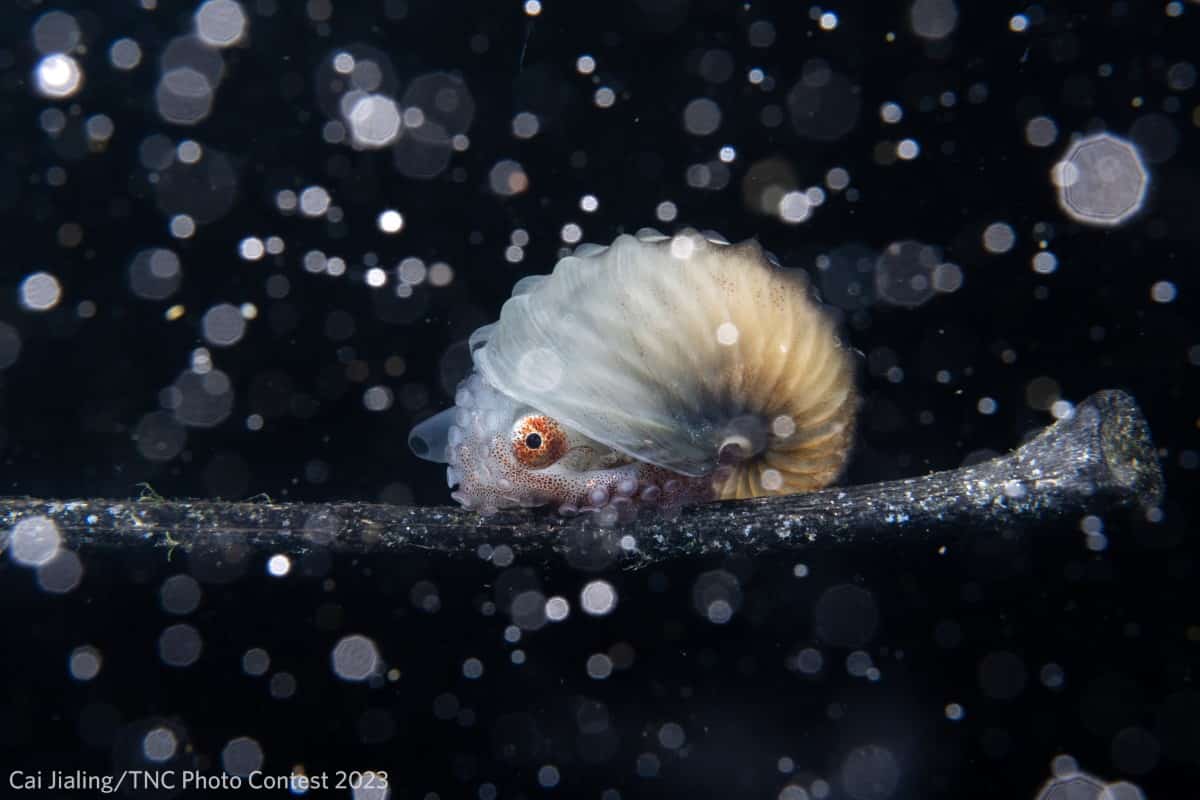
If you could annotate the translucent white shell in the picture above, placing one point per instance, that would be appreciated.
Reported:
(681, 352)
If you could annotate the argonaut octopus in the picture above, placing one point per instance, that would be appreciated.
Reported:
(656, 371)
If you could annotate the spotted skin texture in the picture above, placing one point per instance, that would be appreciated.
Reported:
(493, 466)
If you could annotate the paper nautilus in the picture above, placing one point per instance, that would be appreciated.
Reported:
(657, 371)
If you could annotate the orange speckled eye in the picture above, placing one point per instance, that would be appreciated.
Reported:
(538, 441)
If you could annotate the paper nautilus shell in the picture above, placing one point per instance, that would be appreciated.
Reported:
(657, 371)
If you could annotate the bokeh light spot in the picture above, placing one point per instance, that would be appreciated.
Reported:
(58, 76)
(355, 658)
(220, 23)
(1101, 181)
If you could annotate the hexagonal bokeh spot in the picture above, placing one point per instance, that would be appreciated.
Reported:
(1101, 180)
(1073, 787)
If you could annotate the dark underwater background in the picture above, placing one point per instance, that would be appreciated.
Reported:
(244, 244)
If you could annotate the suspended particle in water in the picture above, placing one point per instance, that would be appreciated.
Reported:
(1045, 262)
(1041, 131)
(180, 595)
(1163, 292)
(220, 23)
(34, 541)
(355, 658)
(223, 325)
(40, 291)
(571, 233)
(251, 248)
(56, 32)
(182, 226)
(824, 104)
(701, 117)
(999, 237)
(761, 33)
(441, 274)
(933, 19)
(374, 121)
(57, 76)
(508, 178)
(184, 96)
(180, 645)
(837, 179)
(155, 274)
(85, 662)
(905, 273)
(377, 398)
(598, 598)
(99, 129)
(908, 149)
(599, 666)
(314, 201)
(870, 773)
(390, 221)
(1042, 393)
(1101, 181)
(1069, 787)
(525, 125)
(717, 596)
(160, 744)
(794, 207)
(557, 609)
(125, 54)
(60, 574)
(242, 756)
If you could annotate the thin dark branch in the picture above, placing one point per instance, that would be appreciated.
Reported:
(1099, 458)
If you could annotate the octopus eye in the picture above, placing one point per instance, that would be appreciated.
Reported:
(538, 441)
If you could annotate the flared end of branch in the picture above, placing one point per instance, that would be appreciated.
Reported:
(1128, 448)
(1102, 449)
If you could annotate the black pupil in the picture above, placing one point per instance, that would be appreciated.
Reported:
(533, 441)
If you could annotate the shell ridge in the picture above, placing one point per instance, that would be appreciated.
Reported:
(590, 418)
(641, 367)
(789, 340)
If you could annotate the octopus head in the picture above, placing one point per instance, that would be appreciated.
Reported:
(504, 454)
